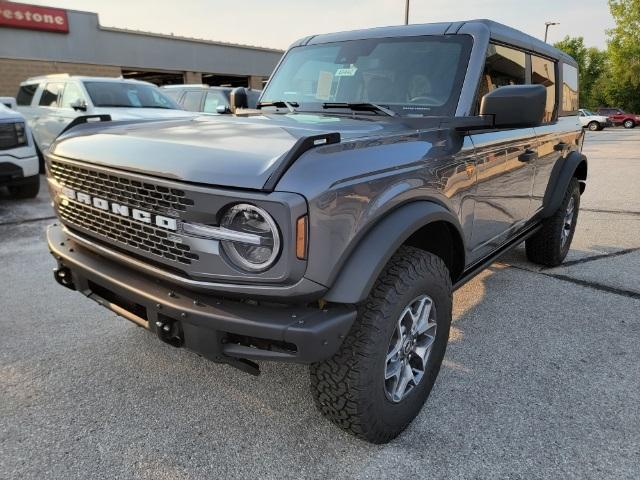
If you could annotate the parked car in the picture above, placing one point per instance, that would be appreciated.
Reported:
(385, 168)
(593, 122)
(206, 99)
(51, 102)
(18, 159)
(617, 116)
(9, 102)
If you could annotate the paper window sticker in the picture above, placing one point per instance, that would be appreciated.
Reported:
(325, 79)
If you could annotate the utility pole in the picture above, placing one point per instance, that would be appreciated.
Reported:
(406, 12)
(546, 28)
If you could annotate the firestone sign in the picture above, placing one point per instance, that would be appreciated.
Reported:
(31, 17)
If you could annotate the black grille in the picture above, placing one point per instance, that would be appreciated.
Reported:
(9, 136)
(116, 229)
(143, 195)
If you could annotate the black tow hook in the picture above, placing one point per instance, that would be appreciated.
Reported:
(63, 277)
(169, 331)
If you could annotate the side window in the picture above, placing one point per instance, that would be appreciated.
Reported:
(569, 89)
(50, 94)
(26, 93)
(212, 101)
(543, 72)
(503, 66)
(72, 94)
(172, 94)
(192, 101)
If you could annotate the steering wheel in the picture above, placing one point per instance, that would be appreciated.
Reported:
(427, 100)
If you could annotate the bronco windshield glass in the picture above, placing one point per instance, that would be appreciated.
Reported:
(130, 95)
(409, 75)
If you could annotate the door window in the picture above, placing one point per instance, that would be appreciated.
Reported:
(72, 95)
(50, 94)
(192, 101)
(543, 72)
(503, 66)
(213, 100)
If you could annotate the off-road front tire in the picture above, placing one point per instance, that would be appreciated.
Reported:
(549, 245)
(28, 189)
(354, 388)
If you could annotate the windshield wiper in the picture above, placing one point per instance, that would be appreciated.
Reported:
(362, 106)
(280, 104)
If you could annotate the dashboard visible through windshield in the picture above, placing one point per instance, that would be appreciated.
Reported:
(410, 75)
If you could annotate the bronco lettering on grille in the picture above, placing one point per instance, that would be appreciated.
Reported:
(119, 209)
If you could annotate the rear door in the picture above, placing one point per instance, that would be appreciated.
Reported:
(561, 132)
(506, 161)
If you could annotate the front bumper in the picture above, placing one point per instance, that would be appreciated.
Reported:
(15, 170)
(220, 329)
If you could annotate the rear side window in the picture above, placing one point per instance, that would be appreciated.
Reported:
(503, 66)
(543, 72)
(50, 94)
(569, 89)
(26, 93)
(172, 94)
(192, 100)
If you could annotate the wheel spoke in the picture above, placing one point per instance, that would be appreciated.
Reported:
(393, 369)
(405, 377)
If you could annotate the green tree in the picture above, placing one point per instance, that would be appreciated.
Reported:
(623, 88)
(592, 64)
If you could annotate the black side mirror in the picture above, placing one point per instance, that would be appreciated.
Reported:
(514, 106)
(79, 106)
(238, 98)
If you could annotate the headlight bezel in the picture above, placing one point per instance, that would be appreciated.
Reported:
(229, 246)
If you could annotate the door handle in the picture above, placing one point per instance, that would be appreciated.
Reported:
(559, 147)
(527, 155)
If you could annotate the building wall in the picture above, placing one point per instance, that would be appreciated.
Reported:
(89, 43)
(12, 72)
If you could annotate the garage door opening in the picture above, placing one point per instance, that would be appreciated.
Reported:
(157, 78)
(216, 80)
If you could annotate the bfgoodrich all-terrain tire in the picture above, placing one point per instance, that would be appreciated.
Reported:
(28, 189)
(549, 245)
(385, 369)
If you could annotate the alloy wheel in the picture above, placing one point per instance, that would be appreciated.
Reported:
(568, 221)
(410, 347)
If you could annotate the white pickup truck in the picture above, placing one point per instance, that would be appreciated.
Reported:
(52, 102)
(18, 160)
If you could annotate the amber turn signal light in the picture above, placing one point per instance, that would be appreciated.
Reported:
(301, 238)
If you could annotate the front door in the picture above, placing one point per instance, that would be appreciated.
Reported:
(505, 171)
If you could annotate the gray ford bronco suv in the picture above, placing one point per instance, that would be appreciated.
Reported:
(383, 169)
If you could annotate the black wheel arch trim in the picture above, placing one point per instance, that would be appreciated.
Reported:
(561, 175)
(369, 257)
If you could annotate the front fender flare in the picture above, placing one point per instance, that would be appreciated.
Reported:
(368, 259)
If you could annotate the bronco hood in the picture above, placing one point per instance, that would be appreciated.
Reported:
(222, 151)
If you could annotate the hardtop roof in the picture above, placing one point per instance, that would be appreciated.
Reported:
(497, 31)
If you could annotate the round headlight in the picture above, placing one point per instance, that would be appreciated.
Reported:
(249, 219)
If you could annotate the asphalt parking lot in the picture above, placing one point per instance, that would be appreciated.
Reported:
(541, 380)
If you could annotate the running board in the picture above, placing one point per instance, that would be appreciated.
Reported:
(483, 263)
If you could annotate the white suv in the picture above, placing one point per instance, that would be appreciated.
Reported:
(592, 121)
(51, 102)
(18, 160)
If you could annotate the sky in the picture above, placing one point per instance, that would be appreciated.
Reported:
(277, 23)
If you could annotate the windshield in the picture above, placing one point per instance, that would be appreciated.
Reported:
(588, 113)
(409, 75)
(131, 95)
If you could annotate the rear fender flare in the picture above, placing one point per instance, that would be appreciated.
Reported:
(574, 165)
